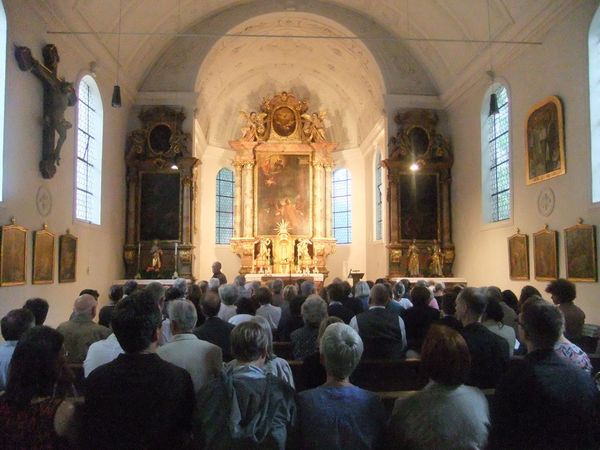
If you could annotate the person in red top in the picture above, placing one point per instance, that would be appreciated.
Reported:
(33, 411)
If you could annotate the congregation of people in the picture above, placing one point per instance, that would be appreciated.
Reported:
(196, 365)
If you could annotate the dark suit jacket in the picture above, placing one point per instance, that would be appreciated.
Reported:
(339, 310)
(417, 321)
(489, 356)
(354, 304)
(544, 402)
(138, 401)
(216, 331)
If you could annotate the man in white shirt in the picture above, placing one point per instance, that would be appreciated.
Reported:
(101, 352)
(228, 293)
(13, 325)
(267, 310)
(201, 359)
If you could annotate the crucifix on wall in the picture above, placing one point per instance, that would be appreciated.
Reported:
(58, 96)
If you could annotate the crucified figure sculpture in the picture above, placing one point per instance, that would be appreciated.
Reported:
(58, 96)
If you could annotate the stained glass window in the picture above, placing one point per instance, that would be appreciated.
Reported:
(498, 151)
(225, 190)
(89, 152)
(341, 196)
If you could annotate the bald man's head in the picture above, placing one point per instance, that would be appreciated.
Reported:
(85, 304)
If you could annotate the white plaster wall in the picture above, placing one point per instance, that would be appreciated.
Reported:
(207, 251)
(558, 67)
(99, 260)
(352, 256)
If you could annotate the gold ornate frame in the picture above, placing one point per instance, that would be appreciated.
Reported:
(580, 252)
(544, 120)
(13, 248)
(545, 251)
(518, 256)
(43, 257)
(67, 258)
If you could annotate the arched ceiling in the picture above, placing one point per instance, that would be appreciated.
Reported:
(335, 75)
(393, 55)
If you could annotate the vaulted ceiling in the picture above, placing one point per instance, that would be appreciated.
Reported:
(344, 55)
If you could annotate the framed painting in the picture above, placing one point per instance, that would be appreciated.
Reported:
(283, 192)
(43, 257)
(67, 258)
(544, 141)
(13, 247)
(580, 252)
(518, 256)
(160, 200)
(545, 252)
(419, 206)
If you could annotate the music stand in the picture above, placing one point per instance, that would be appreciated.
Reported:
(356, 276)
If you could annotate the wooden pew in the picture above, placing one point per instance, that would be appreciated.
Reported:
(283, 350)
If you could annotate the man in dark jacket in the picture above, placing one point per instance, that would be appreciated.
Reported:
(489, 352)
(214, 330)
(544, 402)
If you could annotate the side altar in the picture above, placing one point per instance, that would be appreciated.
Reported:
(282, 210)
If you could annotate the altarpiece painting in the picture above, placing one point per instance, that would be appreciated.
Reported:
(419, 179)
(282, 208)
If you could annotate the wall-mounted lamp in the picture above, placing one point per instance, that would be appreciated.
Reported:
(414, 167)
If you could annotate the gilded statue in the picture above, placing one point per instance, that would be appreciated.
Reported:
(254, 128)
(302, 250)
(413, 260)
(263, 250)
(437, 260)
(156, 253)
(314, 126)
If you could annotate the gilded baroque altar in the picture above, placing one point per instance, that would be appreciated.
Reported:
(282, 212)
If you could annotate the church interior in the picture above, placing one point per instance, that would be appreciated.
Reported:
(357, 78)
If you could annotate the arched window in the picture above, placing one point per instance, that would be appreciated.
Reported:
(594, 68)
(341, 196)
(378, 199)
(3, 32)
(495, 160)
(225, 189)
(88, 199)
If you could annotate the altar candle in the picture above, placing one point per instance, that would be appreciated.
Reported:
(139, 249)
(175, 249)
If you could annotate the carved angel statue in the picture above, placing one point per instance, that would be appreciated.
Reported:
(263, 250)
(437, 260)
(255, 125)
(314, 126)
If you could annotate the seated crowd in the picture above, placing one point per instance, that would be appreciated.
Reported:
(196, 366)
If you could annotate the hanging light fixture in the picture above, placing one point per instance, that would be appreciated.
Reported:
(493, 97)
(116, 95)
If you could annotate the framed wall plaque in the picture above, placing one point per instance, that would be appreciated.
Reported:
(43, 257)
(13, 248)
(580, 252)
(545, 252)
(518, 256)
(545, 141)
(67, 258)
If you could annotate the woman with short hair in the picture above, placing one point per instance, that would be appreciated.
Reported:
(446, 414)
(339, 415)
(304, 340)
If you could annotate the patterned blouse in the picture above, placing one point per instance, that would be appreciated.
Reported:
(572, 353)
